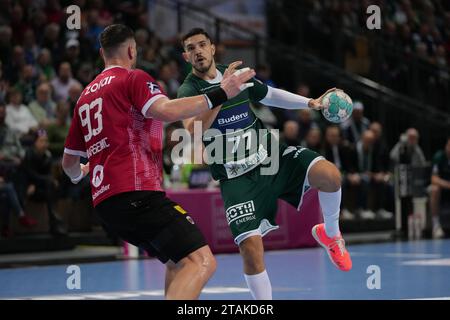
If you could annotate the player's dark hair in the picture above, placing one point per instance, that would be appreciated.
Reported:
(194, 32)
(113, 36)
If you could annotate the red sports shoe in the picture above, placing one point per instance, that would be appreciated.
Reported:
(335, 247)
(27, 221)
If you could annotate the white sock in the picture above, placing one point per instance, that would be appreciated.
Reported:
(330, 203)
(259, 285)
(435, 221)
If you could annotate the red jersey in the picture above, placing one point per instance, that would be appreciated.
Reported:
(124, 147)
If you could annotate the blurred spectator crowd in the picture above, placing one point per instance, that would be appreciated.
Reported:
(410, 53)
(44, 67)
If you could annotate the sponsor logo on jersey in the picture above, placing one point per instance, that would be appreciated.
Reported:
(291, 149)
(97, 180)
(154, 88)
(101, 191)
(300, 150)
(237, 168)
(98, 85)
(234, 118)
(97, 176)
(241, 212)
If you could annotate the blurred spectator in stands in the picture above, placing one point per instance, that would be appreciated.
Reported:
(94, 28)
(18, 24)
(10, 202)
(342, 156)
(13, 68)
(11, 149)
(168, 78)
(105, 18)
(150, 61)
(51, 40)
(62, 83)
(54, 11)
(374, 180)
(44, 65)
(141, 36)
(5, 45)
(74, 93)
(41, 184)
(38, 21)
(57, 131)
(86, 73)
(356, 125)
(18, 116)
(4, 85)
(440, 187)
(414, 153)
(219, 56)
(380, 148)
(313, 140)
(290, 133)
(264, 74)
(303, 90)
(131, 12)
(43, 108)
(72, 55)
(336, 151)
(30, 47)
(305, 122)
(11, 155)
(27, 83)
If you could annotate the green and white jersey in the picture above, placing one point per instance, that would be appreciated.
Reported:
(243, 145)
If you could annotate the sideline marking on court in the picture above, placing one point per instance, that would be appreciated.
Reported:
(436, 298)
(433, 262)
(127, 294)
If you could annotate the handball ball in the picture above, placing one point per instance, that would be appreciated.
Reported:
(338, 106)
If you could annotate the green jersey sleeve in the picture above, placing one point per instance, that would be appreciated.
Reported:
(186, 90)
(436, 158)
(258, 91)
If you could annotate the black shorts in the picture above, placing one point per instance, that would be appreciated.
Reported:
(151, 221)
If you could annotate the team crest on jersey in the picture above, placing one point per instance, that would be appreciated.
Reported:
(154, 88)
(234, 169)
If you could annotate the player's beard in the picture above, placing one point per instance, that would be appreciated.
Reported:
(203, 69)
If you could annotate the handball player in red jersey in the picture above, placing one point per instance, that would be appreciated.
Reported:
(117, 126)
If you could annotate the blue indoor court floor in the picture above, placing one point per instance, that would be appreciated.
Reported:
(407, 270)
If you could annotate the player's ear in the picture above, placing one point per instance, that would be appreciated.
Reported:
(130, 52)
(213, 49)
(185, 56)
(101, 53)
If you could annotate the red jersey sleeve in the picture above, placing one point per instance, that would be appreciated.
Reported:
(75, 144)
(143, 90)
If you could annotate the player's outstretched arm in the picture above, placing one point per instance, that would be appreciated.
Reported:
(183, 108)
(287, 100)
